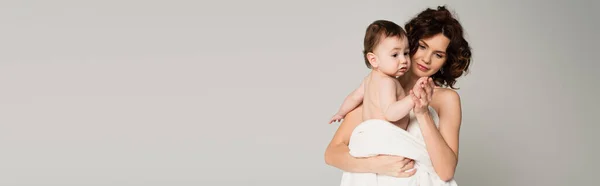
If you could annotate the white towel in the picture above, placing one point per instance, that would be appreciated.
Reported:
(374, 137)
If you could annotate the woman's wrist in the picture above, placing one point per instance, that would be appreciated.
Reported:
(366, 165)
(424, 114)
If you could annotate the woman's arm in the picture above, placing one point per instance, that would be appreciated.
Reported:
(442, 143)
(338, 155)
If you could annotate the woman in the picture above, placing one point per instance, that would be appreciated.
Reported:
(438, 50)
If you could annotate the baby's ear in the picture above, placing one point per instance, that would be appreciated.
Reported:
(372, 60)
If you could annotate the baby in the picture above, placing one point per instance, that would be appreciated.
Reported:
(386, 54)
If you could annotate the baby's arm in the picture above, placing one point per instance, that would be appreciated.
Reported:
(393, 110)
(352, 101)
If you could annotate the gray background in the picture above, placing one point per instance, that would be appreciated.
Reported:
(239, 92)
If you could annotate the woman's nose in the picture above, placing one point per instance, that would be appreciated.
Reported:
(427, 59)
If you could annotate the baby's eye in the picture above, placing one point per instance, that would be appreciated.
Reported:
(395, 55)
(406, 53)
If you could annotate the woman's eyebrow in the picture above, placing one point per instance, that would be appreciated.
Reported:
(425, 43)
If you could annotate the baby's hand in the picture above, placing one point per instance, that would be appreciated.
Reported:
(336, 118)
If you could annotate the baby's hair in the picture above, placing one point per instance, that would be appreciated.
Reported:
(376, 32)
(431, 22)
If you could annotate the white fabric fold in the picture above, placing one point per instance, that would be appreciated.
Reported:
(375, 137)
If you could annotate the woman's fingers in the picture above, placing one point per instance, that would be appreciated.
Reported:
(407, 173)
(418, 91)
(419, 83)
(423, 96)
(431, 82)
(432, 85)
(408, 164)
(429, 90)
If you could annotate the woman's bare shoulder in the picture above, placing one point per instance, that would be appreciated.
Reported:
(445, 93)
(444, 96)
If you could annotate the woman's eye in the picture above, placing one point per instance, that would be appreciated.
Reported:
(439, 56)
(421, 46)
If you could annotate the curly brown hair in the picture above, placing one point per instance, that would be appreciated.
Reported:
(431, 22)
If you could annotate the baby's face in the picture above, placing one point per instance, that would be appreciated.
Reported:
(392, 55)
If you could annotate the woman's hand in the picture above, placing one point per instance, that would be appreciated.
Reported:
(394, 166)
(422, 93)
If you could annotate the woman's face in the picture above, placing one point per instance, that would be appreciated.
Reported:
(430, 55)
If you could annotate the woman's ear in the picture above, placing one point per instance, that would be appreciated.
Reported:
(372, 60)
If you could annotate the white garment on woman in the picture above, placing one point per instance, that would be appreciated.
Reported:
(373, 137)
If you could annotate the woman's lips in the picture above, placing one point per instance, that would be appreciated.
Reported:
(422, 68)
